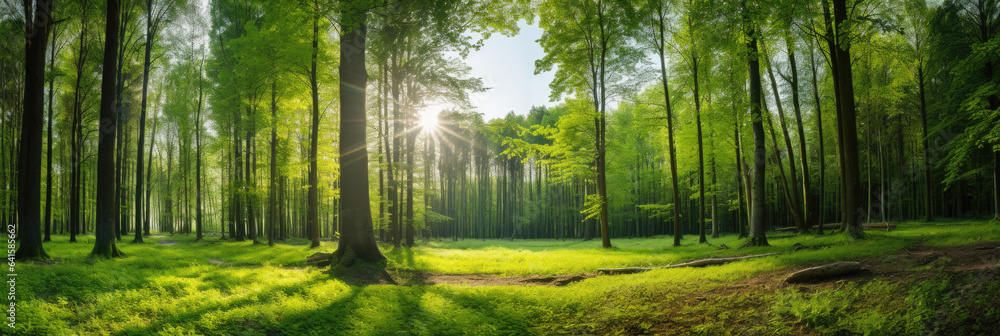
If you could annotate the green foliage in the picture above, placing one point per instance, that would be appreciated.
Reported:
(949, 303)
(182, 289)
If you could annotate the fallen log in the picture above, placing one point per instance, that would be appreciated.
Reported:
(696, 263)
(824, 272)
(886, 226)
(835, 226)
(828, 226)
(320, 259)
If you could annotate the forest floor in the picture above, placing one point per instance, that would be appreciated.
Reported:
(918, 279)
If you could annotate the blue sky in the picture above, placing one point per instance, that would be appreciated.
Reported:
(507, 66)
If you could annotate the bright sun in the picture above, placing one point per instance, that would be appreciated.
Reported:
(428, 120)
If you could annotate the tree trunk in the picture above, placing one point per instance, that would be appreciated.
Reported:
(273, 185)
(819, 128)
(670, 126)
(197, 174)
(48, 152)
(824, 272)
(757, 237)
(29, 168)
(104, 245)
(313, 220)
(142, 122)
(790, 188)
(149, 178)
(701, 153)
(808, 206)
(849, 134)
(601, 123)
(739, 187)
(250, 178)
(357, 234)
(412, 139)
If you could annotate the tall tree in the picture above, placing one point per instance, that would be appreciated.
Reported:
(53, 51)
(757, 236)
(357, 236)
(30, 157)
(154, 18)
(313, 217)
(104, 228)
(591, 43)
(660, 42)
(197, 176)
(849, 133)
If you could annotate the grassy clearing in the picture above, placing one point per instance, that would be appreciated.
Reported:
(260, 290)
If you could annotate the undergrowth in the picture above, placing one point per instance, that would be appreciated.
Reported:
(238, 288)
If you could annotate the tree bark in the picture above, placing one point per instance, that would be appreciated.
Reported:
(670, 125)
(849, 134)
(701, 152)
(808, 206)
(357, 234)
(142, 122)
(313, 219)
(819, 128)
(824, 272)
(757, 236)
(410, 144)
(273, 185)
(48, 152)
(197, 175)
(790, 188)
(104, 230)
(29, 168)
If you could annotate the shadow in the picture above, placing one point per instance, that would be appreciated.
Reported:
(248, 327)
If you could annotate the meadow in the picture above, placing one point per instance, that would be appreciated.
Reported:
(172, 285)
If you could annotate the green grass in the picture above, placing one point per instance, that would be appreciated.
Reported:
(261, 290)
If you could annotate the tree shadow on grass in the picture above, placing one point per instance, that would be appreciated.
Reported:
(191, 317)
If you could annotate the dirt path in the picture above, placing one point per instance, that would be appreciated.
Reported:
(166, 242)
(481, 280)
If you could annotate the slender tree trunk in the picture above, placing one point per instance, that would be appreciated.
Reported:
(790, 188)
(808, 207)
(273, 185)
(313, 220)
(142, 122)
(397, 130)
(149, 178)
(701, 152)
(601, 123)
(197, 175)
(48, 152)
(412, 139)
(250, 178)
(757, 236)
(819, 128)
(104, 245)
(670, 126)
